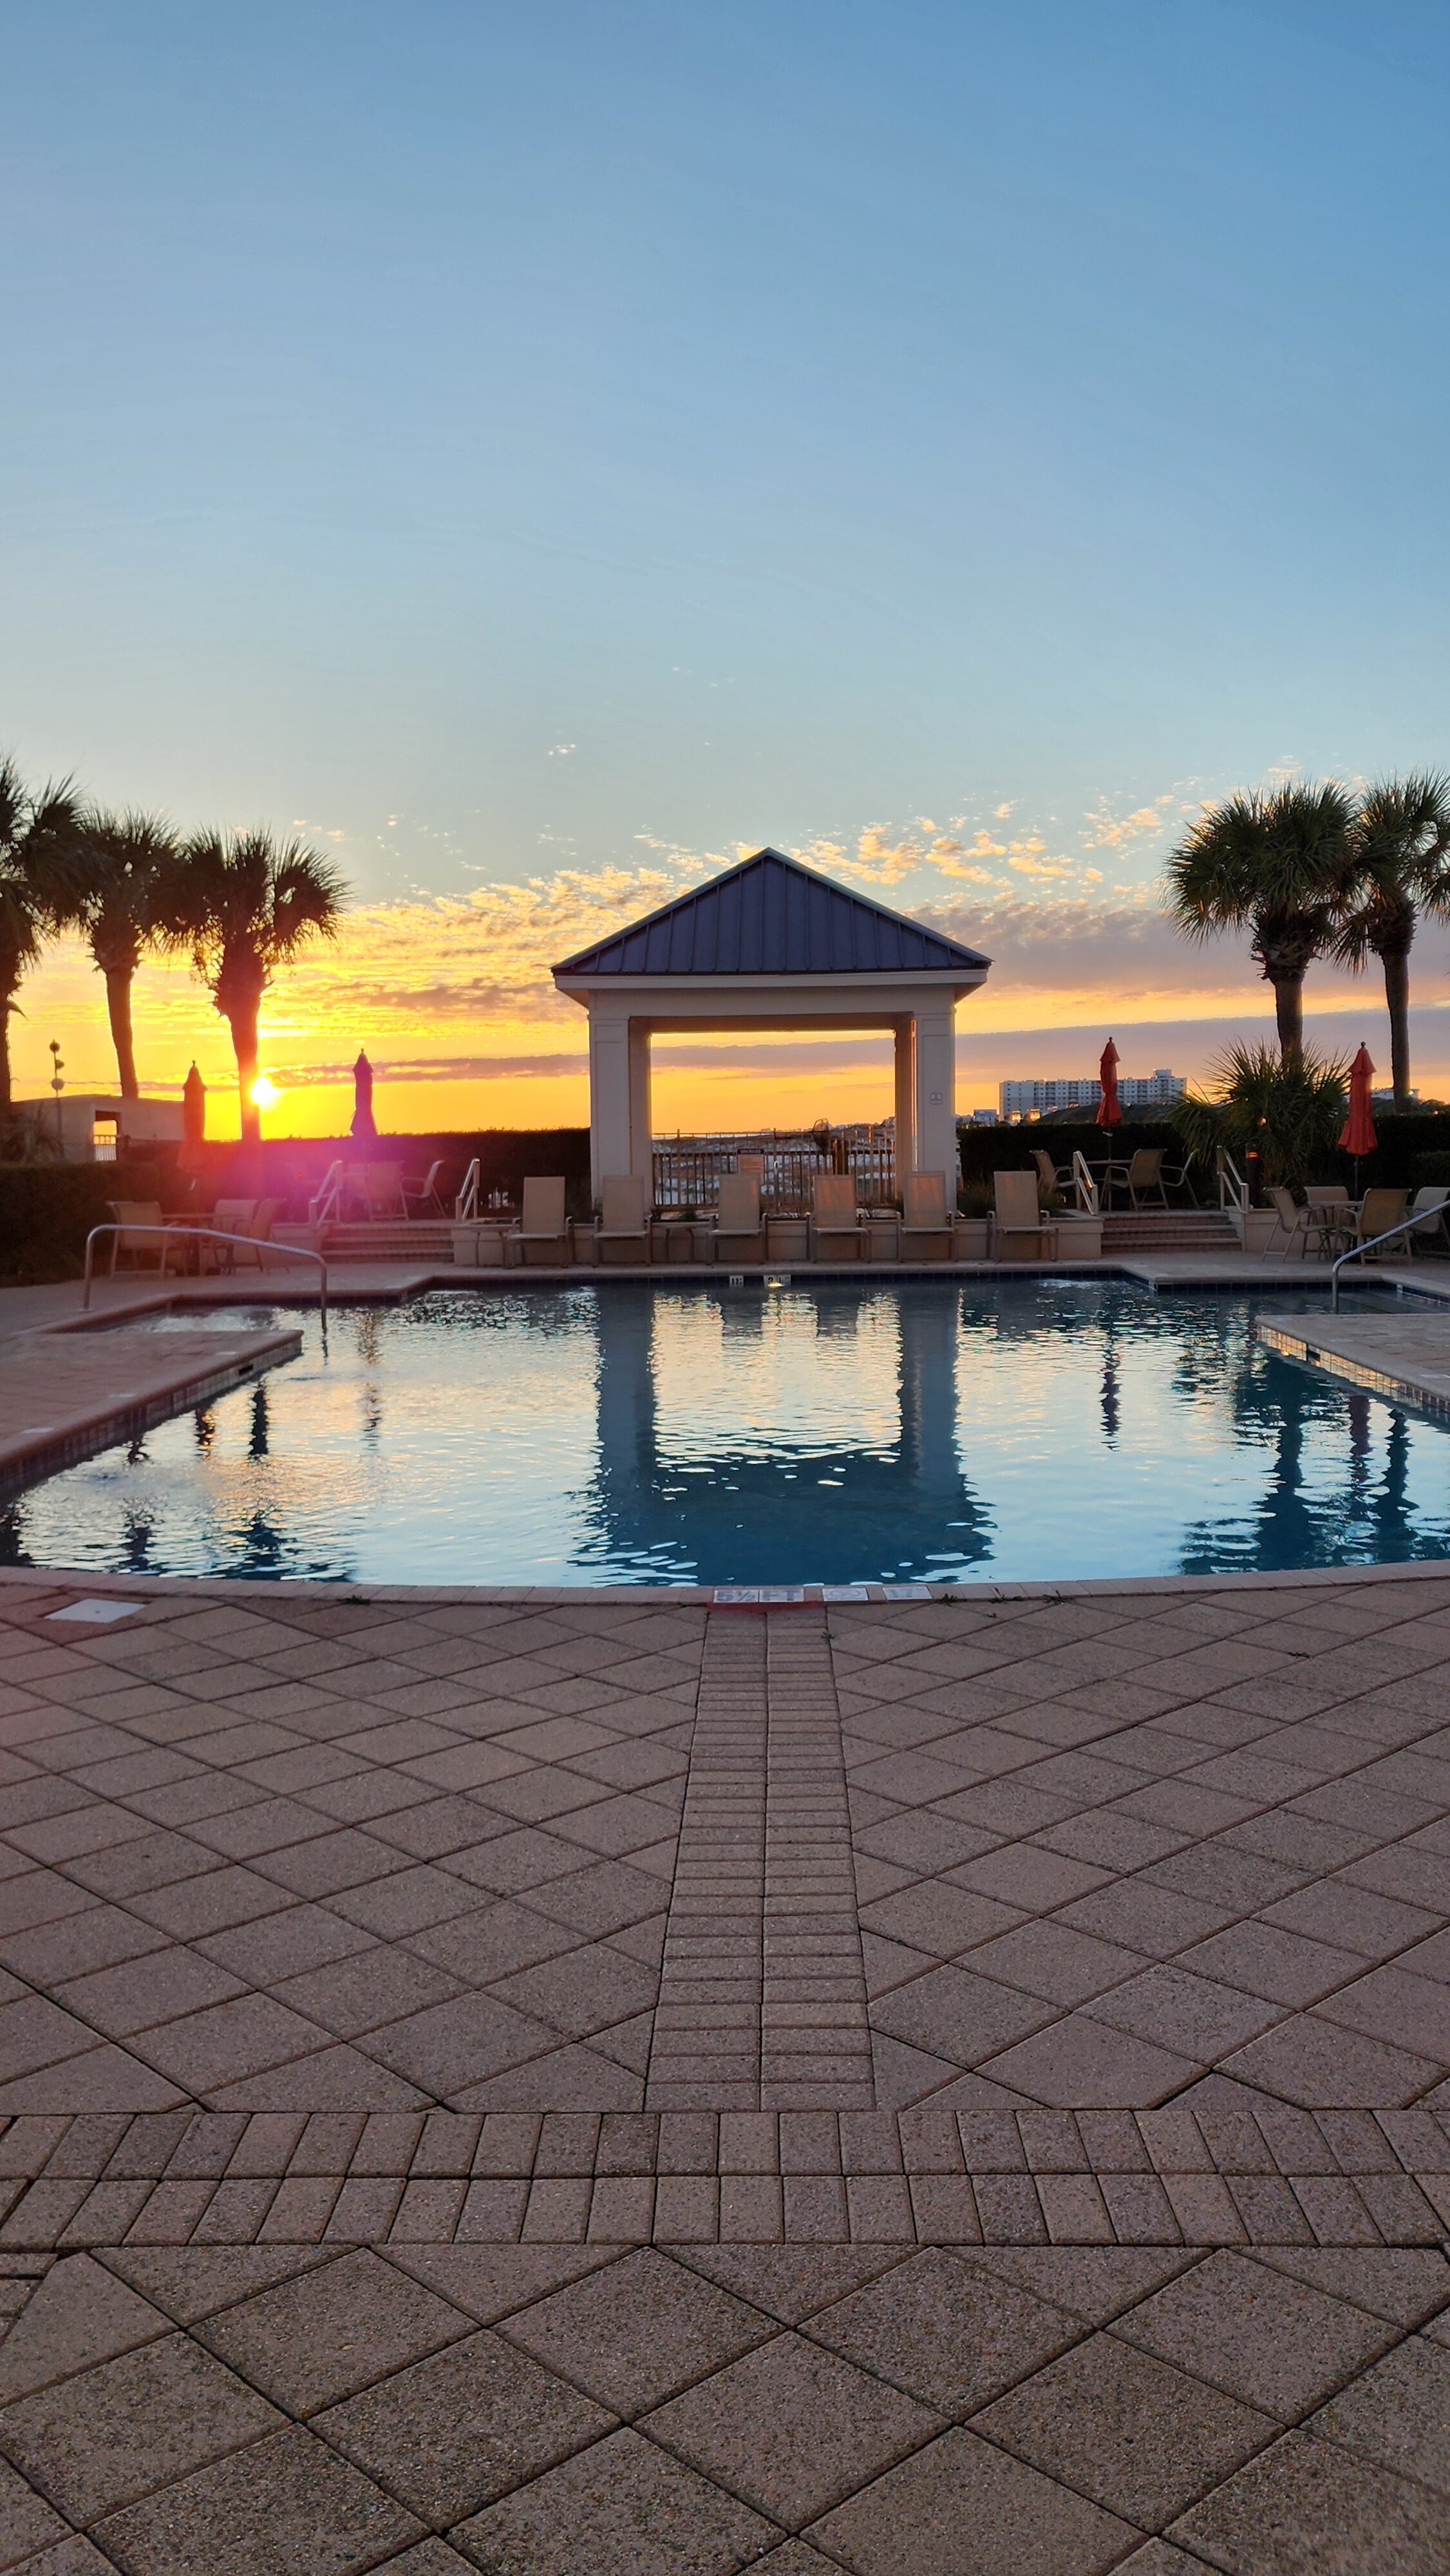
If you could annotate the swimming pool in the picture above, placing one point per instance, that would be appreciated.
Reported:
(830, 1432)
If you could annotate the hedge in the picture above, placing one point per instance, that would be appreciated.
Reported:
(1411, 1150)
(292, 1168)
(48, 1209)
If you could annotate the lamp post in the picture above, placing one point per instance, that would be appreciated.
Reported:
(57, 1084)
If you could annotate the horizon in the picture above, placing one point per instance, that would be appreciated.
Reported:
(539, 460)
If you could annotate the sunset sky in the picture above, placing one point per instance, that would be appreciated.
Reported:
(539, 455)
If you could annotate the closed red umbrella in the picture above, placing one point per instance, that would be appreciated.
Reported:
(1357, 1135)
(1109, 1113)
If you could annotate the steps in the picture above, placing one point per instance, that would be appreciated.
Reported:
(1206, 1230)
(387, 1239)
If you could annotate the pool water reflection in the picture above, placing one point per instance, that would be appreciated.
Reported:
(831, 1432)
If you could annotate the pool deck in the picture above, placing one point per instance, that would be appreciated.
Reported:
(620, 2083)
(1405, 1358)
(626, 2084)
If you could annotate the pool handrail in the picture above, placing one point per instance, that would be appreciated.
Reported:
(1357, 1251)
(1233, 1189)
(204, 1234)
(465, 1206)
(1084, 1184)
(326, 1207)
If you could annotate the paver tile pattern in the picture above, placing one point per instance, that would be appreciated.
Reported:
(619, 2085)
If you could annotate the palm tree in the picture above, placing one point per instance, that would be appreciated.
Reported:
(243, 904)
(1401, 868)
(1276, 864)
(1288, 1112)
(123, 862)
(38, 835)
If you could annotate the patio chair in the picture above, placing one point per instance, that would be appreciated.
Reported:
(1016, 1212)
(739, 1225)
(143, 1232)
(835, 1217)
(1334, 1209)
(425, 1200)
(541, 1233)
(1431, 1208)
(622, 1233)
(926, 1219)
(258, 1230)
(1053, 1176)
(1293, 1225)
(1141, 1176)
(229, 1216)
(377, 1188)
(1378, 1211)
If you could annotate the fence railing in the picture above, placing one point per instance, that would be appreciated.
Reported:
(688, 1169)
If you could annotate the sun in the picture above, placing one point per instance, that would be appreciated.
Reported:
(265, 1094)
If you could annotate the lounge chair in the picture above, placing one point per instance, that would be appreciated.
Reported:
(541, 1233)
(739, 1226)
(622, 1233)
(1431, 1209)
(1378, 1211)
(926, 1219)
(1053, 1176)
(1016, 1213)
(835, 1217)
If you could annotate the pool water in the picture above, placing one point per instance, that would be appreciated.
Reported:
(830, 1432)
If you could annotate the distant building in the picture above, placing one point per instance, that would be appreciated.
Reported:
(979, 1118)
(1135, 1091)
(1386, 1099)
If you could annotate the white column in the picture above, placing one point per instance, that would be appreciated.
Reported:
(608, 1094)
(641, 1133)
(936, 1103)
(905, 1102)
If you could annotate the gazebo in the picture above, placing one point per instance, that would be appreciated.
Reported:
(771, 945)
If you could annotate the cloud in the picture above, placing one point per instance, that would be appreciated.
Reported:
(1109, 831)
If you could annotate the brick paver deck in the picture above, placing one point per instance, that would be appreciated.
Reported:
(621, 2084)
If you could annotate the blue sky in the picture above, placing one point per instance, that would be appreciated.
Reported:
(590, 439)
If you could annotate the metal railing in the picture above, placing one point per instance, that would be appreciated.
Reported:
(327, 1205)
(687, 1170)
(465, 1206)
(166, 1235)
(1085, 1186)
(1357, 1251)
(1233, 1189)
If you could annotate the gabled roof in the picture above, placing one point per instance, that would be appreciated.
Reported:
(771, 916)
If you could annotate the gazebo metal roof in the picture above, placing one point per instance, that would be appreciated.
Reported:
(771, 916)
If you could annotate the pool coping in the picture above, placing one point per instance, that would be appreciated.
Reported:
(53, 1582)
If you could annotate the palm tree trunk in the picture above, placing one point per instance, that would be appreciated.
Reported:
(244, 1041)
(1289, 1013)
(7, 1005)
(118, 1005)
(1396, 963)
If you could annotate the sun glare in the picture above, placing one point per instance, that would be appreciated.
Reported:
(265, 1093)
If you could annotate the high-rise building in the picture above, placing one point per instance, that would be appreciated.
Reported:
(1135, 1091)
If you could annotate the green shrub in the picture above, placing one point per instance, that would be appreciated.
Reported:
(48, 1209)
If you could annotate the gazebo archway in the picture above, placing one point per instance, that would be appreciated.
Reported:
(770, 946)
